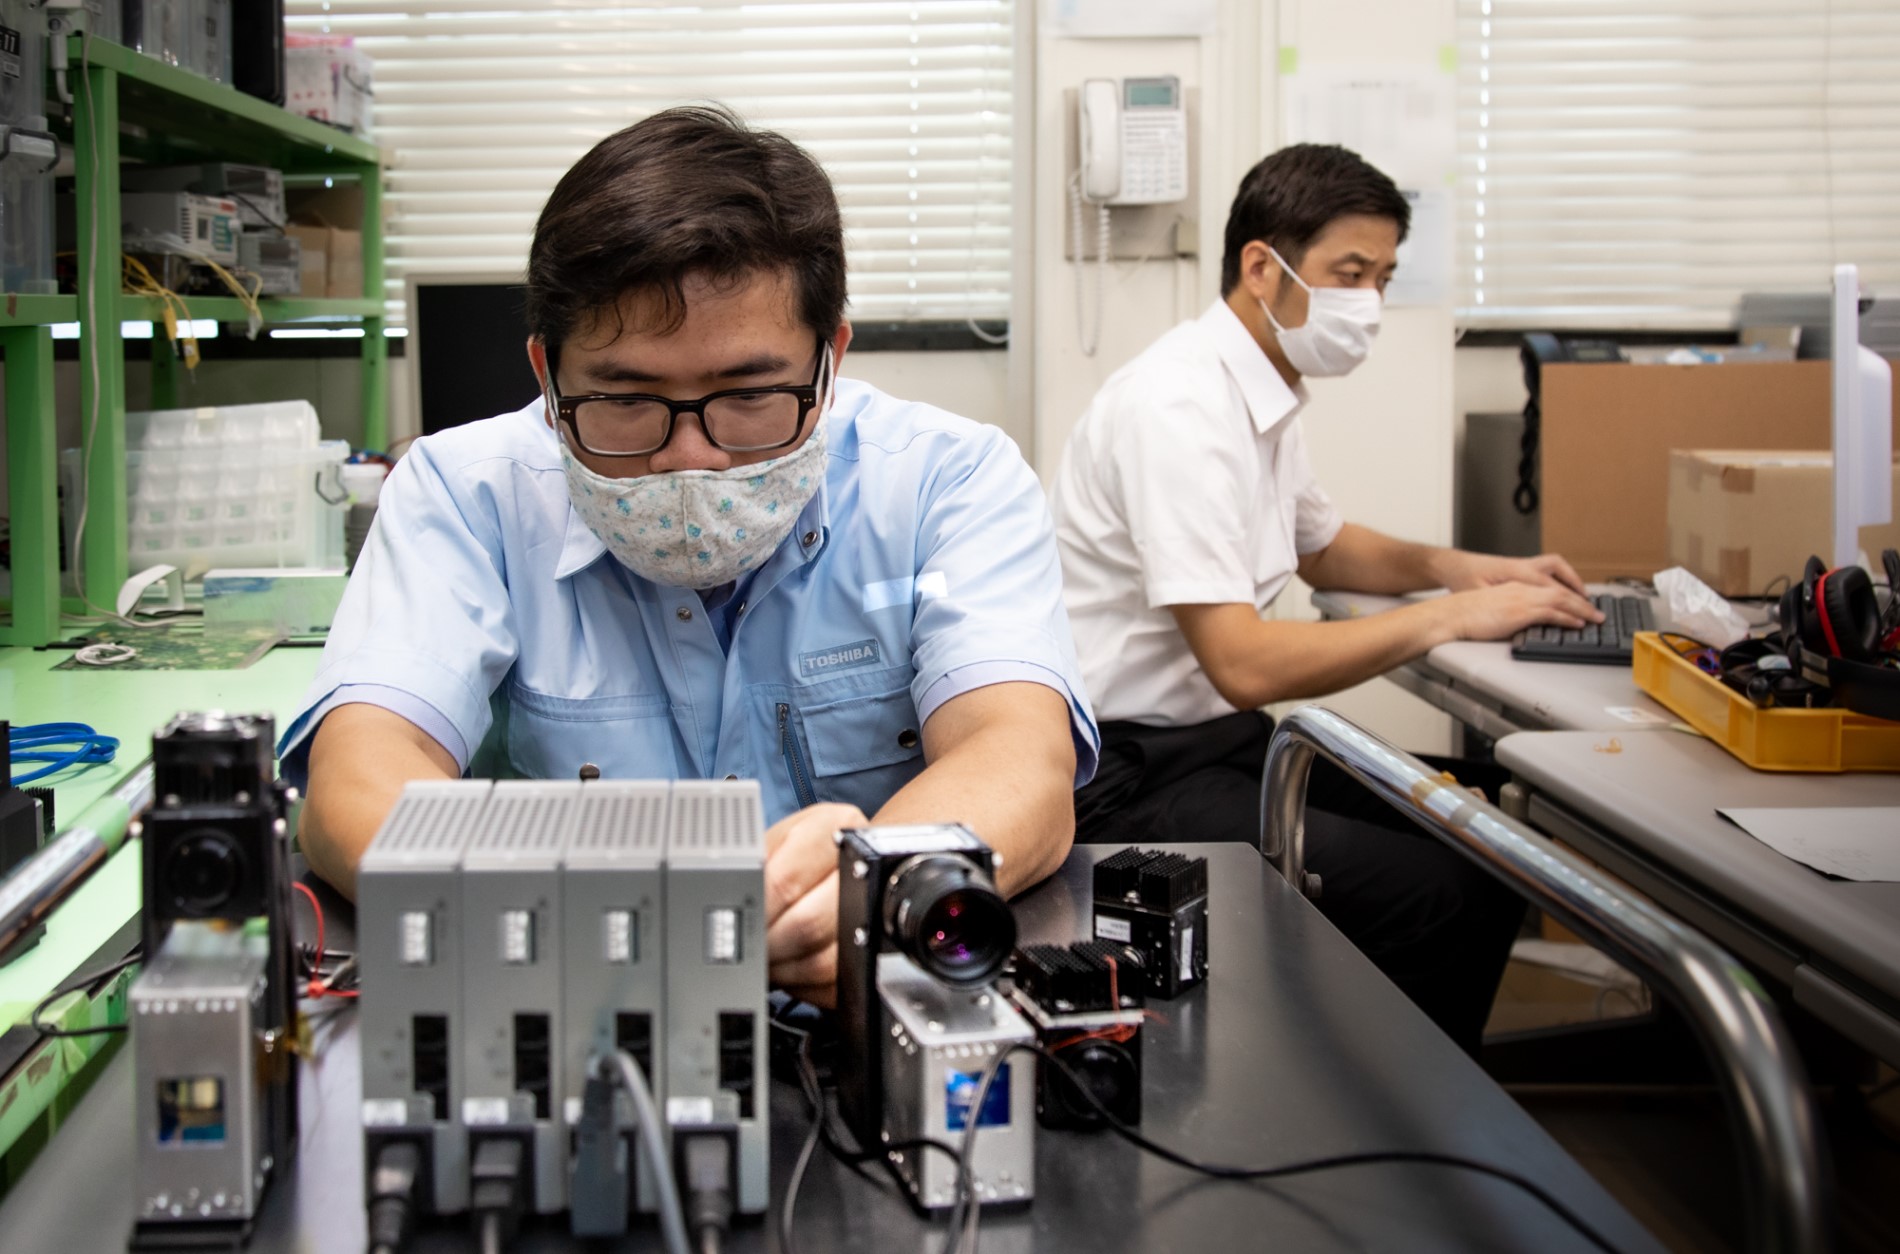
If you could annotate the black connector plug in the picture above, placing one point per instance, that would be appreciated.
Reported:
(497, 1188)
(392, 1192)
(602, 1162)
(706, 1162)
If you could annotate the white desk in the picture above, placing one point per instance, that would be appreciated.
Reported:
(1647, 814)
(1483, 687)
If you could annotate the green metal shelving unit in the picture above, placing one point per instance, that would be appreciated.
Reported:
(129, 105)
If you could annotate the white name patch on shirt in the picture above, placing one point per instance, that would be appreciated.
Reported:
(888, 592)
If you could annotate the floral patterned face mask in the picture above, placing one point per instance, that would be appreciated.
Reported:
(698, 528)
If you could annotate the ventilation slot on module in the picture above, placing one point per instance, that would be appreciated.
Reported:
(533, 1060)
(736, 1058)
(429, 1059)
(633, 1032)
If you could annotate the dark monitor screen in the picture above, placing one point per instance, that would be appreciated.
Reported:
(468, 342)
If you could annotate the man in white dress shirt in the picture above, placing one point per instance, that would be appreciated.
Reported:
(1184, 504)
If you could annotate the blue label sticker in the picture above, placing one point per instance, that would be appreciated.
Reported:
(842, 657)
(959, 1092)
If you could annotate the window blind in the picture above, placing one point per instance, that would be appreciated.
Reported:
(483, 104)
(1641, 163)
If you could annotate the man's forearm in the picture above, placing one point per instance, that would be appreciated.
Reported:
(1253, 662)
(360, 760)
(1014, 787)
(1363, 560)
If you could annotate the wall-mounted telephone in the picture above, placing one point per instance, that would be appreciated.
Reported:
(1134, 141)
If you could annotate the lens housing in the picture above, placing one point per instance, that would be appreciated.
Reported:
(942, 911)
(203, 872)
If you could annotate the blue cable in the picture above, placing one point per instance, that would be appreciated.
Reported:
(36, 742)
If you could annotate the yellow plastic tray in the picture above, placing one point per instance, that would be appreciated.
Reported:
(1768, 740)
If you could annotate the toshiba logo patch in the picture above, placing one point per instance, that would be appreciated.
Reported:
(843, 657)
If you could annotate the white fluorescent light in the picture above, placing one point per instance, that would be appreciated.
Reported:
(317, 333)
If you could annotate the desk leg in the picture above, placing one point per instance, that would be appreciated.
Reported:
(32, 486)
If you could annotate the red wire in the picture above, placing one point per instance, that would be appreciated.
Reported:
(317, 987)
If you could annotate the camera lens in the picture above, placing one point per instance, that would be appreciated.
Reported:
(943, 912)
(203, 872)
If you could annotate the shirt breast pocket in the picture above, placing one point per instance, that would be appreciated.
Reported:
(628, 736)
(858, 750)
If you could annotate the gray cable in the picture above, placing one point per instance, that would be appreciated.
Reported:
(652, 1137)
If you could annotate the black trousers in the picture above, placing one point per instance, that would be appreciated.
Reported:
(1436, 924)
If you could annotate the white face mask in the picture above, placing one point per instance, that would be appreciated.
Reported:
(1341, 323)
(698, 528)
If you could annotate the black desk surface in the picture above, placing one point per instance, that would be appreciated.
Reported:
(1295, 1048)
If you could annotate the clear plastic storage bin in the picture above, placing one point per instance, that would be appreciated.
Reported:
(161, 29)
(234, 485)
(28, 153)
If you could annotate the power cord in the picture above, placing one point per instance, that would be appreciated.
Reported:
(653, 1142)
(392, 1193)
(1090, 332)
(90, 983)
(823, 1133)
(708, 1159)
(1302, 1167)
(497, 1189)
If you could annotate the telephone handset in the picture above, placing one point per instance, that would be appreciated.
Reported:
(1133, 141)
(1131, 135)
(1101, 140)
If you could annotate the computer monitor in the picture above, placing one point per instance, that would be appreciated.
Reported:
(1862, 387)
(467, 348)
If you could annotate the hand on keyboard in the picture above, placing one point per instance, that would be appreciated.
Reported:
(1501, 611)
(1607, 643)
(1463, 571)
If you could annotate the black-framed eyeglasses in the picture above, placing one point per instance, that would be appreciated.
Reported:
(737, 420)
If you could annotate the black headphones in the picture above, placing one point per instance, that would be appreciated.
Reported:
(1836, 634)
(1761, 671)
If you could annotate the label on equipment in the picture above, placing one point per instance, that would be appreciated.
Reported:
(959, 1095)
(1110, 928)
(916, 838)
(1642, 718)
(689, 1110)
(9, 52)
(484, 1112)
(385, 1112)
(1187, 953)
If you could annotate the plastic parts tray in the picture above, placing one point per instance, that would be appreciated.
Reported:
(1768, 740)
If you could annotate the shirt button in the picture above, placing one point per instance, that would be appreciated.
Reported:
(907, 739)
(731, 777)
(809, 538)
(741, 608)
(683, 614)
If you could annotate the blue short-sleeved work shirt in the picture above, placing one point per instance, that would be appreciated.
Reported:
(484, 611)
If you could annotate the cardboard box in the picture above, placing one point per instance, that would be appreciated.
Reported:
(1739, 520)
(332, 263)
(1608, 431)
(314, 263)
(333, 217)
(345, 281)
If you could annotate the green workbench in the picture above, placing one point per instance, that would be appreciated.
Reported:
(99, 922)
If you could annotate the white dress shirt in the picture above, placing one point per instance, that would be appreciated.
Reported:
(1185, 483)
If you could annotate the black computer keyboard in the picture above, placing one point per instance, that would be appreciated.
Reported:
(1607, 643)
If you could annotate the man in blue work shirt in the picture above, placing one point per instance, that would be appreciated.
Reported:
(703, 555)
